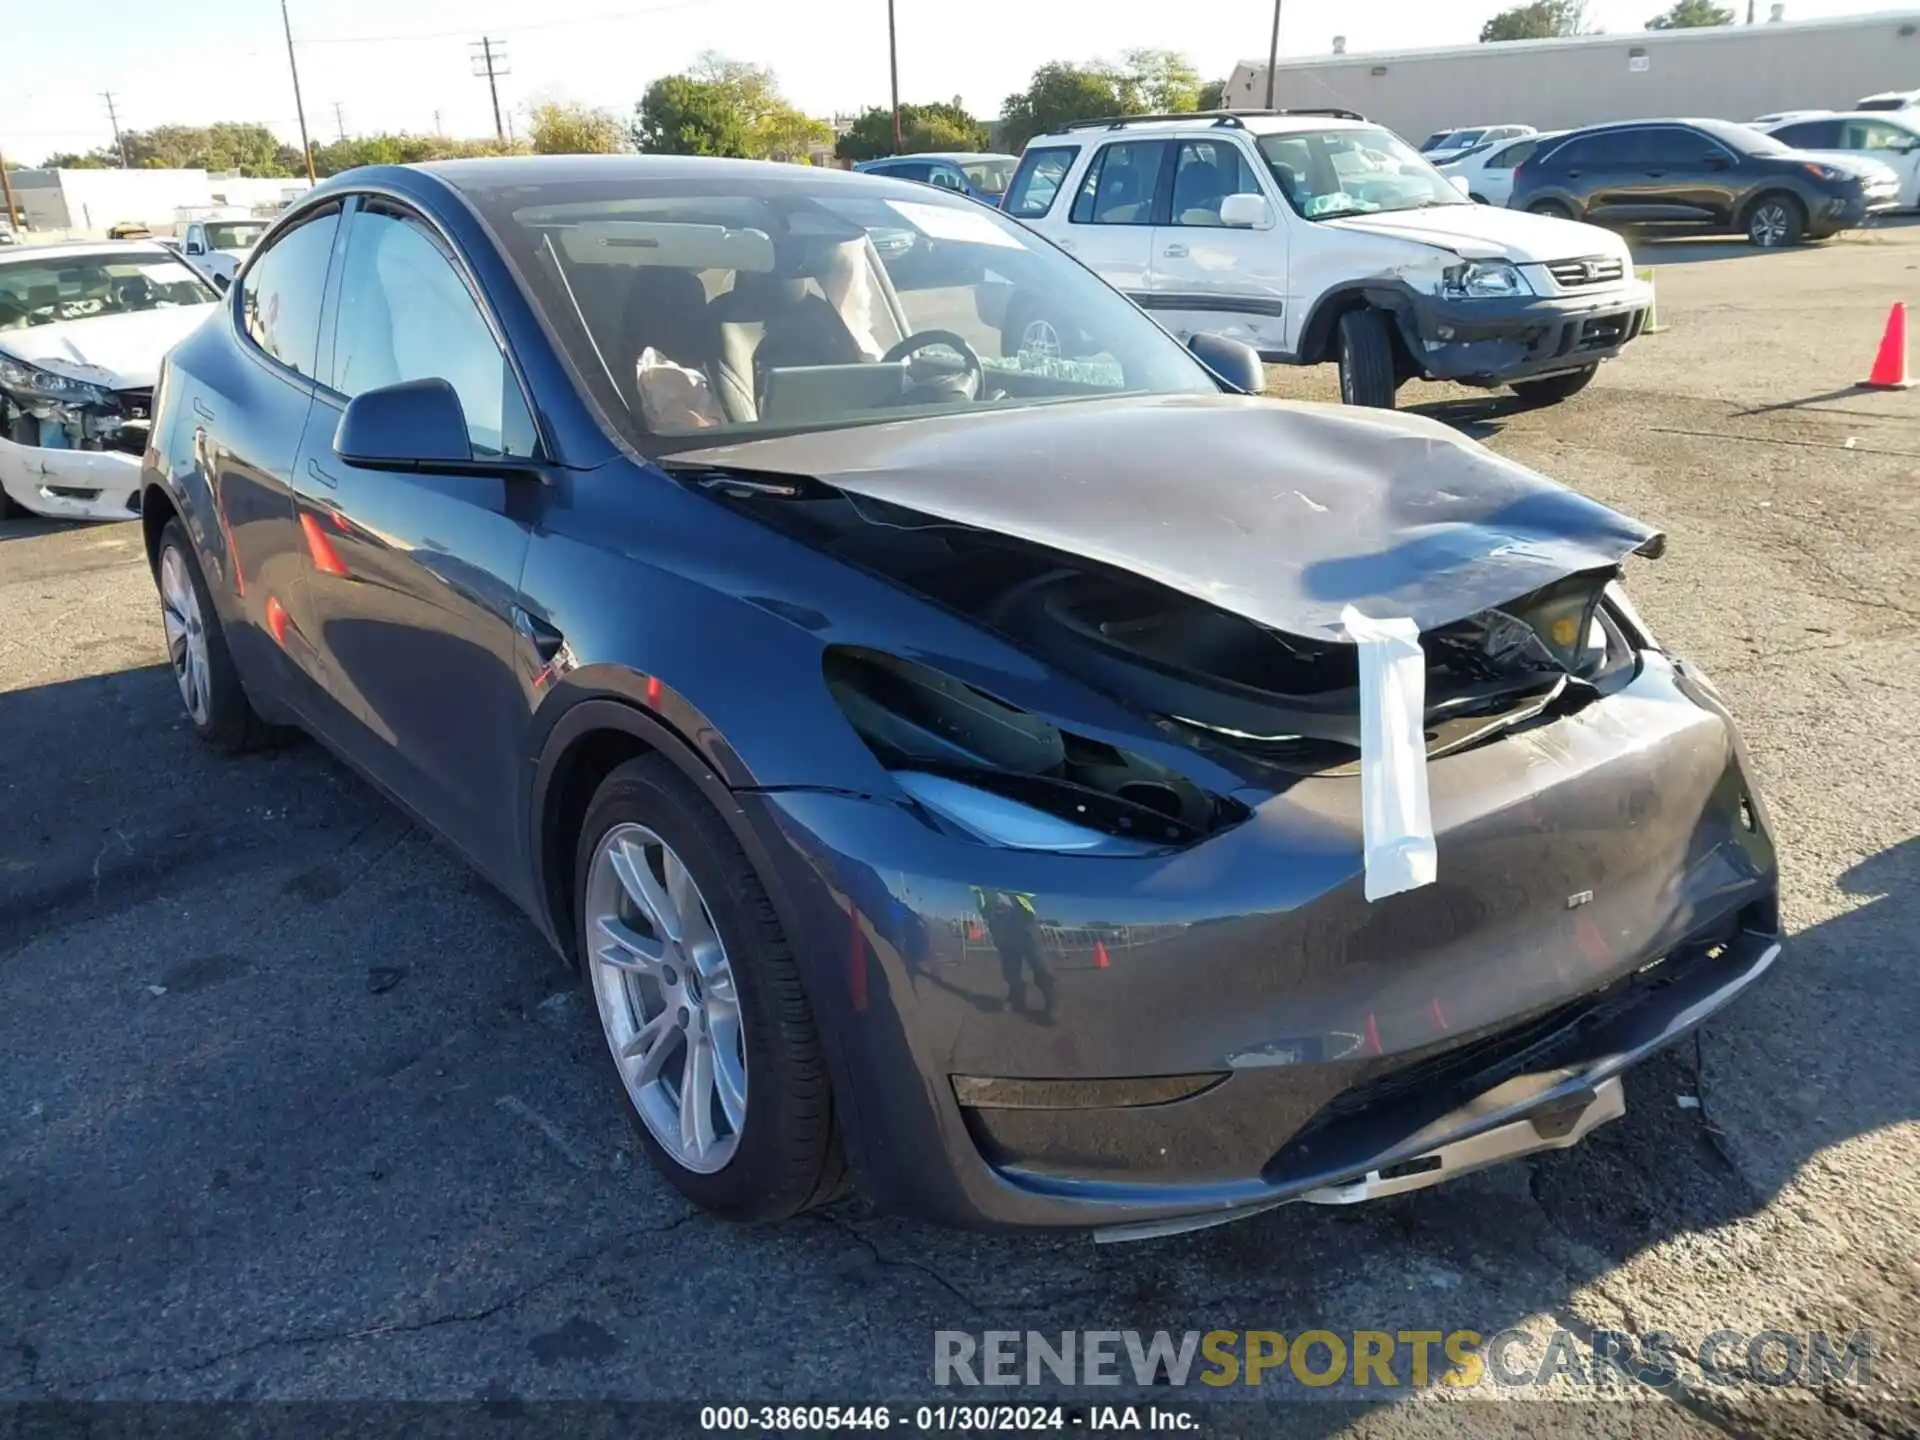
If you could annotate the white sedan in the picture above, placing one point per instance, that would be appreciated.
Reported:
(83, 329)
(1488, 171)
(1892, 137)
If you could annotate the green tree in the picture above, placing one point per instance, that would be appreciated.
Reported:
(922, 128)
(402, 148)
(68, 160)
(562, 127)
(1212, 96)
(1540, 20)
(725, 107)
(1061, 93)
(1164, 79)
(680, 115)
(1691, 15)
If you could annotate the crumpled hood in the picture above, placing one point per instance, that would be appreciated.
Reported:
(1284, 513)
(1488, 232)
(121, 352)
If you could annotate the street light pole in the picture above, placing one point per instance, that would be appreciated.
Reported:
(893, 67)
(1273, 53)
(299, 109)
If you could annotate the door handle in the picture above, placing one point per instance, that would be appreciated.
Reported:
(314, 471)
(1175, 252)
(1064, 244)
(201, 408)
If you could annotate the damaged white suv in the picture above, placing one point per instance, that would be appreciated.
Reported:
(1317, 236)
(83, 329)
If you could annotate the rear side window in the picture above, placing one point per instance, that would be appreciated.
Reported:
(1038, 180)
(405, 314)
(1120, 184)
(914, 170)
(1810, 135)
(946, 178)
(1670, 145)
(1514, 156)
(1613, 147)
(280, 298)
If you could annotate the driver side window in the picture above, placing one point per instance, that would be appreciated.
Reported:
(406, 314)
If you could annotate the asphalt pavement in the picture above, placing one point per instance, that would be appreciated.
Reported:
(293, 1106)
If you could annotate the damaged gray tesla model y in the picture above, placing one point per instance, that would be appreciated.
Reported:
(1045, 785)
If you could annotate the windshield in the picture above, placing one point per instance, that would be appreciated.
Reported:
(79, 287)
(989, 177)
(1459, 138)
(703, 309)
(1324, 173)
(1739, 138)
(235, 234)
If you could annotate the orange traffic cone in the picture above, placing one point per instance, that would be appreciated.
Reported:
(1890, 365)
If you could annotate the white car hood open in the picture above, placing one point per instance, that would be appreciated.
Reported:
(1488, 232)
(121, 352)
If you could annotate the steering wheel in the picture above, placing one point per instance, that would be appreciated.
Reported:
(966, 385)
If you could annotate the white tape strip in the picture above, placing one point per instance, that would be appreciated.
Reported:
(1397, 830)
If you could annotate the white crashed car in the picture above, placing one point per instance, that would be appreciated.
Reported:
(83, 329)
(220, 247)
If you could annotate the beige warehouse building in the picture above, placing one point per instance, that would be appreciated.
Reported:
(1732, 72)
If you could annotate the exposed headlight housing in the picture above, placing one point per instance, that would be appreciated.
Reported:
(1483, 280)
(31, 383)
(1004, 776)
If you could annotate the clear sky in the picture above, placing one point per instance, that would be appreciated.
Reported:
(400, 64)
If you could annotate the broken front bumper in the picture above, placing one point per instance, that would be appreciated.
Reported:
(71, 484)
(1495, 342)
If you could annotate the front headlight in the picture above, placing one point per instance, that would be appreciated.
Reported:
(1483, 280)
(30, 382)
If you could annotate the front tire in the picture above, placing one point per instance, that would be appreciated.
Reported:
(210, 690)
(714, 1047)
(1552, 208)
(1366, 359)
(1552, 389)
(1776, 221)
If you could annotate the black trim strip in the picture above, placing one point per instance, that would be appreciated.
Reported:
(1228, 304)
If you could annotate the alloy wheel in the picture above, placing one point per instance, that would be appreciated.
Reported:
(186, 635)
(664, 987)
(1770, 224)
(1040, 339)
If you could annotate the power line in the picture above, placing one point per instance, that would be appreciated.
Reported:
(570, 21)
(113, 119)
(489, 59)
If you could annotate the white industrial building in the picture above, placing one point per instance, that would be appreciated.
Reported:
(1729, 72)
(97, 199)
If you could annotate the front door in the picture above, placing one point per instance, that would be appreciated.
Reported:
(1211, 278)
(413, 578)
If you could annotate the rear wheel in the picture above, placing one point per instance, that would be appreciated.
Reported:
(1552, 389)
(216, 703)
(1776, 221)
(1366, 359)
(713, 1042)
(1031, 331)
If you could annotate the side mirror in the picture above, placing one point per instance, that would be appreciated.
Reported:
(222, 283)
(1462, 184)
(1232, 362)
(1246, 212)
(415, 425)
(1716, 162)
(194, 247)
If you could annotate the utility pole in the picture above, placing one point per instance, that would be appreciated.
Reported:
(6, 193)
(299, 109)
(340, 121)
(119, 141)
(893, 66)
(436, 124)
(489, 59)
(1273, 53)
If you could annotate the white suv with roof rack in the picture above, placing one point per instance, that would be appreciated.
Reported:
(1314, 235)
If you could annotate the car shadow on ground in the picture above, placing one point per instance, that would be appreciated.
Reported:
(32, 527)
(1479, 417)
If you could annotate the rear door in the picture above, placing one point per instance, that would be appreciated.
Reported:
(413, 578)
(1207, 277)
(1111, 220)
(247, 421)
(1598, 170)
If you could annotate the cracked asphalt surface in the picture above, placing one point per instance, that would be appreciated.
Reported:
(293, 1106)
